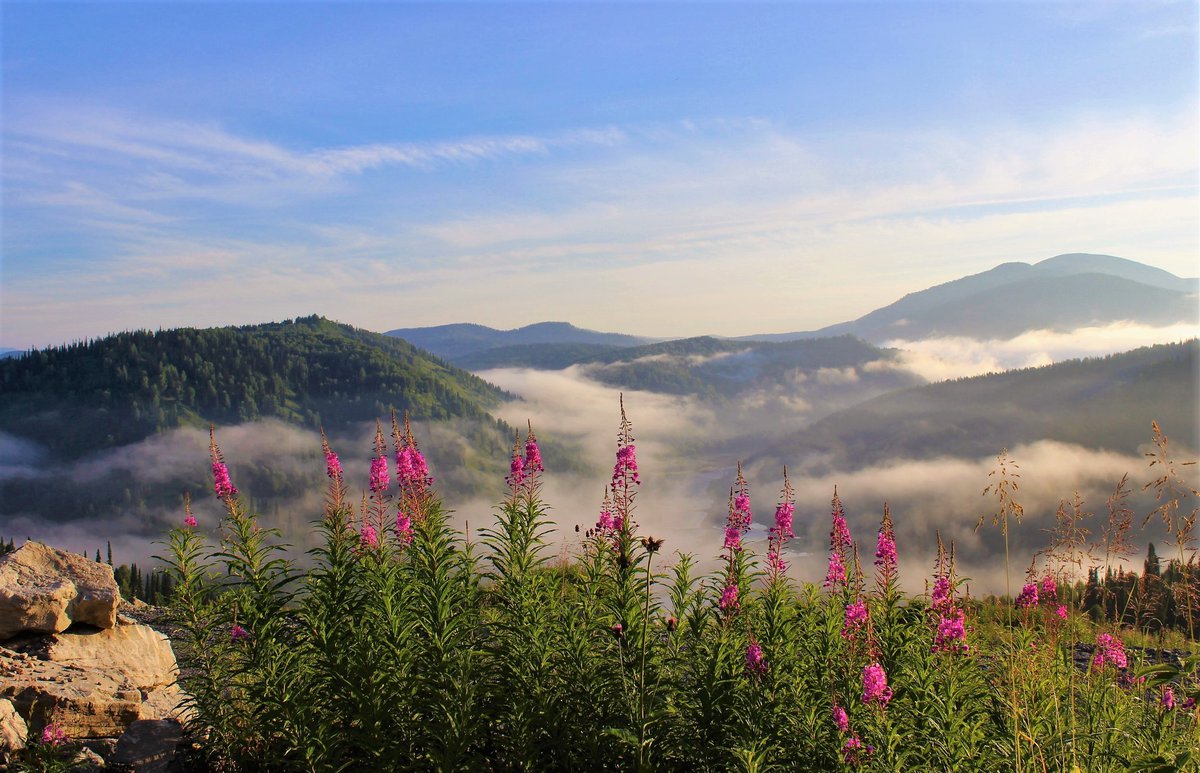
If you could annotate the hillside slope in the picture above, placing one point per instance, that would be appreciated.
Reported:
(1101, 403)
(117, 390)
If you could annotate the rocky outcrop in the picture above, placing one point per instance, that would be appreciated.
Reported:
(45, 590)
(68, 659)
(13, 732)
(140, 655)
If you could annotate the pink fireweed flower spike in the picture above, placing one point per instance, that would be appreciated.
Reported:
(1028, 597)
(369, 537)
(380, 480)
(221, 483)
(951, 635)
(190, 520)
(412, 472)
(855, 620)
(516, 464)
(738, 521)
(625, 471)
(729, 597)
(608, 520)
(1049, 590)
(238, 633)
(841, 718)
(781, 532)
(875, 686)
(885, 546)
(1109, 649)
(1061, 612)
(756, 661)
(533, 454)
(333, 466)
(839, 547)
(404, 528)
(853, 750)
(939, 598)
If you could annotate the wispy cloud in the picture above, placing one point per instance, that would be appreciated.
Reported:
(614, 227)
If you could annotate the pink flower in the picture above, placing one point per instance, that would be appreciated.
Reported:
(238, 633)
(608, 521)
(379, 475)
(369, 537)
(853, 750)
(333, 466)
(533, 455)
(856, 618)
(784, 514)
(412, 472)
(190, 521)
(940, 598)
(885, 549)
(1061, 611)
(836, 574)
(951, 635)
(404, 528)
(221, 483)
(1049, 590)
(839, 547)
(781, 532)
(756, 662)
(729, 597)
(875, 686)
(1028, 597)
(1168, 697)
(841, 719)
(733, 538)
(516, 469)
(53, 735)
(626, 466)
(1109, 649)
(885, 552)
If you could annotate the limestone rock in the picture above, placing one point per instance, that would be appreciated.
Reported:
(166, 702)
(149, 745)
(137, 655)
(43, 589)
(85, 703)
(13, 732)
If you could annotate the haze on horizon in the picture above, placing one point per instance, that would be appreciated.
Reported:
(664, 170)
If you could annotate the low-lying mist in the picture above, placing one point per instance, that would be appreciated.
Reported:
(688, 448)
(938, 359)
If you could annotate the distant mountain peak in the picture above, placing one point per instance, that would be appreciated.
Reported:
(459, 340)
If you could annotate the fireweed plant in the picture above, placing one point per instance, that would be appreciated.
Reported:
(407, 646)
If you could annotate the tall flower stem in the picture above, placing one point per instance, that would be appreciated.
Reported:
(641, 755)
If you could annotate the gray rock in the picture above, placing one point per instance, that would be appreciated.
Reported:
(149, 745)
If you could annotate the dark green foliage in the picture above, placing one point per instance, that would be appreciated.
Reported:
(112, 391)
(1101, 402)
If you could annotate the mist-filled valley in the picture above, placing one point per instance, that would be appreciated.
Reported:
(916, 424)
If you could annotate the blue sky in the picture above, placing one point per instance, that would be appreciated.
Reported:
(666, 169)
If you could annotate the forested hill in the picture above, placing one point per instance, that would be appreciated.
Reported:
(1099, 403)
(311, 371)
